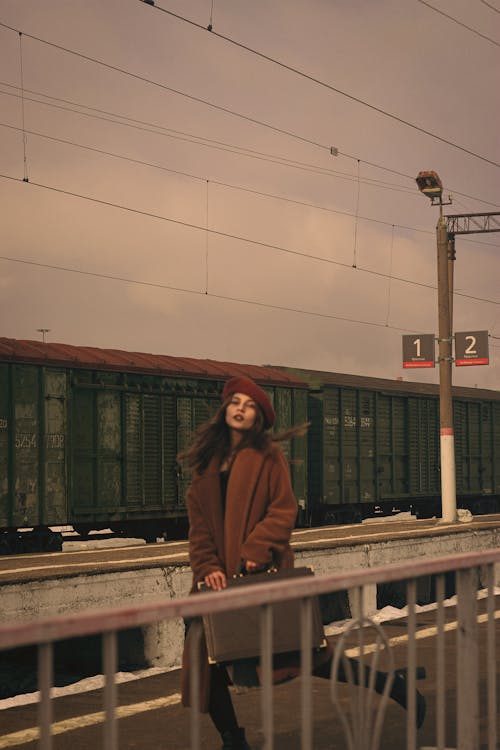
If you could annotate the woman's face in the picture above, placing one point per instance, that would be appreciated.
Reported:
(241, 412)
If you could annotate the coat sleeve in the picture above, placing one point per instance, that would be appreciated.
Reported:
(203, 555)
(271, 536)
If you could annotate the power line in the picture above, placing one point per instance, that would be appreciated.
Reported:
(488, 5)
(272, 158)
(144, 79)
(219, 183)
(21, 73)
(239, 238)
(199, 178)
(201, 293)
(201, 140)
(170, 130)
(463, 25)
(221, 146)
(316, 206)
(226, 110)
(230, 186)
(327, 86)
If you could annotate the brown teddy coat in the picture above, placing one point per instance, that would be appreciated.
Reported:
(259, 516)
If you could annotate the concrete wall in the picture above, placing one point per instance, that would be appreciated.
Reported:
(161, 644)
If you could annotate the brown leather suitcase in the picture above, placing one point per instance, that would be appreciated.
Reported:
(236, 634)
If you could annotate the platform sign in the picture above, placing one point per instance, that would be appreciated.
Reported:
(471, 348)
(418, 350)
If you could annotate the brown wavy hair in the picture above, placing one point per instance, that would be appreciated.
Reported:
(214, 438)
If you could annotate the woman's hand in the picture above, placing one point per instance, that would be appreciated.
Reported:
(216, 580)
(251, 566)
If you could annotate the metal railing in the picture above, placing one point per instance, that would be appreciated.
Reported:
(363, 734)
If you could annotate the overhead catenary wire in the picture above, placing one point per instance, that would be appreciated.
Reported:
(200, 293)
(231, 186)
(227, 110)
(229, 148)
(489, 5)
(207, 237)
(328, 86)
(356, 212)
(460, 23)
(21, 73)
(349, 177)
(203, 293)
(144, 125)
(164, 86)
(228, 235)
(190, 175)
(390, 279)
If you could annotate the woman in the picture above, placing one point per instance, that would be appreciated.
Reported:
(241, 513)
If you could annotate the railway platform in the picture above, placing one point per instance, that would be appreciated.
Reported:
(150, 715)
(44, 585)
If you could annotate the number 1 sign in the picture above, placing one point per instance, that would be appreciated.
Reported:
(418, 350)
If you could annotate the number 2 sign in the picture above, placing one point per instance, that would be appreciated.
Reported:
(471, 348)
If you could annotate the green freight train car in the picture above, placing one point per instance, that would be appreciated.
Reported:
(89, 438)
(374, 447)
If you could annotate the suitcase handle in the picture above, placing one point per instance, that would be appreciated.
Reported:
(242, 573)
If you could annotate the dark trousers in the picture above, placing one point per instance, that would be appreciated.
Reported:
(221, 708)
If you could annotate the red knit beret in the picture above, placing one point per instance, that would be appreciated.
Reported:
(250, 388)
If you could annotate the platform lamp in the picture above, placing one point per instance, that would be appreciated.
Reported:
(430, 185)
(43, 331)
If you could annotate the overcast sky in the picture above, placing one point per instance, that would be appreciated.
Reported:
(194, 234)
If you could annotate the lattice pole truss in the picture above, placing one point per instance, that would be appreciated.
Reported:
(472, 223)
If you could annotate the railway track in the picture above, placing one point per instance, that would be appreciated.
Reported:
(116, 554)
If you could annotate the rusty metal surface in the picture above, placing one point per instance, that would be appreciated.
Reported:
(320, 378)
(66, 355)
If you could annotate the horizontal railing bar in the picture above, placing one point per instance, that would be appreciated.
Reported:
(106, 620)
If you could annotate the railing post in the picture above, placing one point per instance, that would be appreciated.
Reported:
(491, 662)
(411, 740)
(467, 662)
(305, 673)
(440, 665)
(45, 681)
(360, 697)
(196, 629)
(109, 659)
(266, 635)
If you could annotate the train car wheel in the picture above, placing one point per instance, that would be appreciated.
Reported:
(82, 531)
(8, 543)
(357, 517)
(44, 540)
(150, 532)
(330, 518)
(53, 542)
(177, 530)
